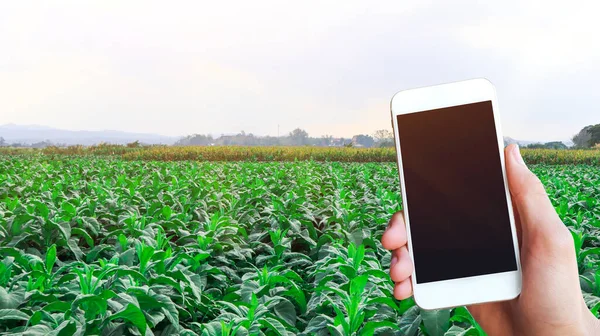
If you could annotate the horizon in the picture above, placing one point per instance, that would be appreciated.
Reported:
(216, 135)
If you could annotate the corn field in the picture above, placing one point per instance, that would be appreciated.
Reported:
(279, 154)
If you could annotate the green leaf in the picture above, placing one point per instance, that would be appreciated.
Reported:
(144, 253)
(406, 304)
(36, 318)
(50, 258)
(410, 321)
(167, 212)
(74, 247)
(370, 327)
(461, 314)
(67, 328)
(274, 326)
(436, 322)
(133, 315)
(286, 311)
(357, 285)
(63, 227)
(68, 208)
(458, 331)
(39, 330)
(42, 209)
(13, 314)
(57, 306)
(81, 233)
(94, 304)
(10, 300)
(358, 258)
(169, 309)
(317, 324)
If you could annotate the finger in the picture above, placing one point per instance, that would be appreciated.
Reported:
(395, 234)
(403, 268)
(518, 224)
(536, 213)
(403, 290)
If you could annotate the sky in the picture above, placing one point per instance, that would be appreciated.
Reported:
(329, 67)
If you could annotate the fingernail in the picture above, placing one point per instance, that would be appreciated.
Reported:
(394, 261)
(517, 155)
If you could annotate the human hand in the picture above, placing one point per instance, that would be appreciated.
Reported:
(551, 302)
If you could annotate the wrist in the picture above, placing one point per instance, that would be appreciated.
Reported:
(592, 324)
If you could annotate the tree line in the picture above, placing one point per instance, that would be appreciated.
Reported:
(297, 137)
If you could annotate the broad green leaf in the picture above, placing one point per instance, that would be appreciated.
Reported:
(370, 327)
(461, 314)
(57, 306)
(68, 208)
(274, 325)
(436, 322)
(169, 308)
(318, 323)
(39, 330)
(10, 300)
(81, 233)
(67, 328)
(133, 315)
(458, 331)
(42, 209)
(13, 314)
(285, 310)
(410, 321)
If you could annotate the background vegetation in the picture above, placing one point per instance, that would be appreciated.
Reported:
(134, 152)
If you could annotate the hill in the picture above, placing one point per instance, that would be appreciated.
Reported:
(29, 134)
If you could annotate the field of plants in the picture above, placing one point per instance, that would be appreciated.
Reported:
(94, 245)
(278, 153)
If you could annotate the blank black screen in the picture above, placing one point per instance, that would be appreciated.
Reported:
(455, 194)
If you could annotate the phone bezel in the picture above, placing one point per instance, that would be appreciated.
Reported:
(469, 290)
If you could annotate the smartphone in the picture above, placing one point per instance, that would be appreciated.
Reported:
(457, 206)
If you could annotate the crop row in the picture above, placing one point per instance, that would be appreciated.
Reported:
(270, 154)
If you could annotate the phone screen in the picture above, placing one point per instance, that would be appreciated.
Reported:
(455, 195)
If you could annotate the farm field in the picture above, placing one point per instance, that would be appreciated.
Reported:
(94, 245)
(278, 153)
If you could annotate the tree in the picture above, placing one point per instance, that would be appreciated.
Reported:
(363, 140)
(594, 132)
(2, 142)
(325, 140)
(383, 138)
(548, 145)
(582, 139)
(195, 140)
(299, 137)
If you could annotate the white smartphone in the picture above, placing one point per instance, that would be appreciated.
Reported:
(457, 206)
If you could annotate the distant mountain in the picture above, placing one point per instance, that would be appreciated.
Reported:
(522, 143)
(509, 141)
(29, 134)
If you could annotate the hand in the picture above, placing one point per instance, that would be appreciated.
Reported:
(550, 302)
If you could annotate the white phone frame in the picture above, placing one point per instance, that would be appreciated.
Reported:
(470, 290)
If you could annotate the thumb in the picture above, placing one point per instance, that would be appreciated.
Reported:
(536, 213)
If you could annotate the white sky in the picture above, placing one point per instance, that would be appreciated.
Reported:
(175, 67)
